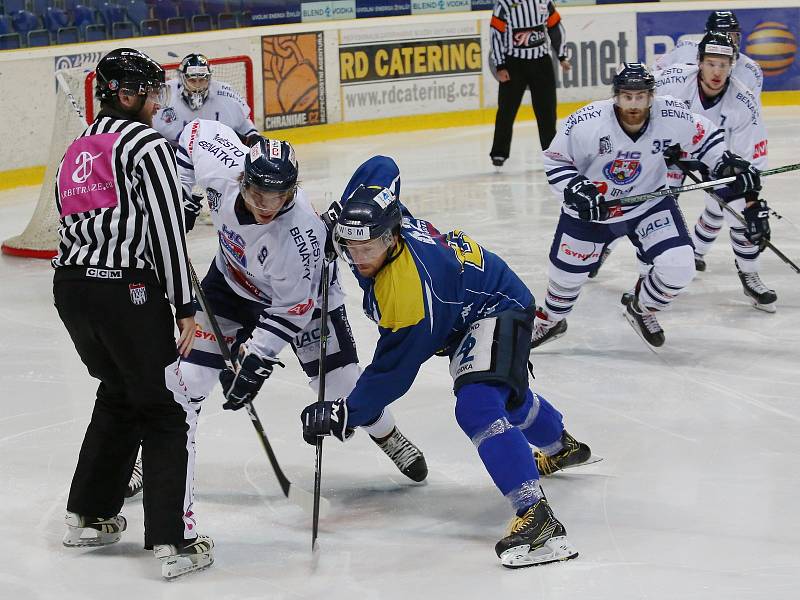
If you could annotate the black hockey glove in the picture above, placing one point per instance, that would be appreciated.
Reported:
(191, 208)
(329, 217)
(672, 155)
(757, 218)
(241, 385)
(748, 178)
(326, 418)
(582, 196)
(252, 139)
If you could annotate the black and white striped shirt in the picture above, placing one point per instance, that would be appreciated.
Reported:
(120, 201)
(521, 28)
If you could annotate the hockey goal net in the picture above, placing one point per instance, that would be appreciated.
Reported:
(76, 107)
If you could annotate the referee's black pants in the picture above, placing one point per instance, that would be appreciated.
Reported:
(131, 349)
(538, 75)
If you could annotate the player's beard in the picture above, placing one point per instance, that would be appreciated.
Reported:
(633, 117)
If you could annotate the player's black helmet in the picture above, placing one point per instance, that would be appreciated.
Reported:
(370, 213)
(633, 77)
(195, 75)
(723, 20)
(130, 70)
(716, 42)
(271, 166)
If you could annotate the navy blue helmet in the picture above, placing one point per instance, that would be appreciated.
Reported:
(271, 165)
(633, 77)
(369, 213)
(723, 20)
(716, 42)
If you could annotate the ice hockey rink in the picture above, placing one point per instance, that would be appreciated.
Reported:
(696, 498)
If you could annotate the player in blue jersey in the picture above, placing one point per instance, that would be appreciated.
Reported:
(443, 294)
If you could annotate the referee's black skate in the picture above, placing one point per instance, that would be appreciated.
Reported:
(187, 557)
(535, 538)
(546, 329)
(408, 458)
(762, 297)
(572, 454)
(136, 483)
(644, 323)
(90, 531)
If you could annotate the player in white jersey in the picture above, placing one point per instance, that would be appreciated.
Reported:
(195, 94)
(264, 282)
(610, 150)
(709, 89)
(746, 69)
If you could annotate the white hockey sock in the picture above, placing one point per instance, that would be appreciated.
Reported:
(382, 427)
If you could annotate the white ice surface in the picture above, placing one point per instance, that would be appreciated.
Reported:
(697, 496)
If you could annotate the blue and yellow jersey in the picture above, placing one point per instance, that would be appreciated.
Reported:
(423, 301)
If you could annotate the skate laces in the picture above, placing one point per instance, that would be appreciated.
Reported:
(136, 477)
(110, 525)
(399, 449)
(548, 465)
(542, 325)
(647, 318)
(753, 281)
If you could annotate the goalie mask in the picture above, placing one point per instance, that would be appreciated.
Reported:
(195, 75)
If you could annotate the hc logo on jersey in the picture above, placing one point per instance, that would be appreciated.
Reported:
(234, 244)
(623, 169)
(168, 115)
(138, 293)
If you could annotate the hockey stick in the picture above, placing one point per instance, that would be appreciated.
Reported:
(63, 83)
(294, 494)
(700, 185)
(724, 206)
(323, 351)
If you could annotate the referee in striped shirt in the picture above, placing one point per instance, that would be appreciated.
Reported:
(522, 33)
(121, 262)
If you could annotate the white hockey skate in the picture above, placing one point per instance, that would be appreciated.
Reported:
(86, 532)
(760, 295)
(192, 555)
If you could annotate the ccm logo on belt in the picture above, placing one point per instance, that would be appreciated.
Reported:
(104, 273)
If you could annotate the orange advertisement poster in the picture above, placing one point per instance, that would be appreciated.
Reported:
(294, 80)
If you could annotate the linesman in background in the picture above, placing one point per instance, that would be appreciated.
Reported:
(522, 34)
(121, 262)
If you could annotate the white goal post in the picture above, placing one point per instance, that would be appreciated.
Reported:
(76, 93)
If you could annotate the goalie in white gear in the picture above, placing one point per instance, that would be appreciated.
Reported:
(196, 94)
(709, 89)
(264, 282)
(610, 150)
(724, 21)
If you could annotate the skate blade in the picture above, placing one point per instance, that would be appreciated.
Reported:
(89, 538)
(767, 308)
(589, 461)
(178, 566)
(553, 550)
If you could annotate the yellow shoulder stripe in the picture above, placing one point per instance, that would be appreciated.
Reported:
(398, 290)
